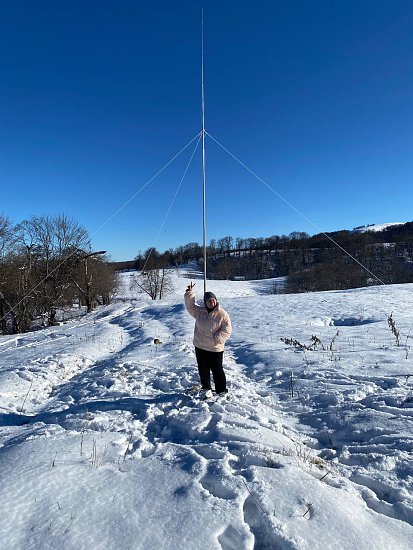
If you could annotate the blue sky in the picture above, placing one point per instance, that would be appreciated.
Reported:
(315, 97)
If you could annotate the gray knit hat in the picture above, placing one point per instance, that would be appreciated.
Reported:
(208, 296)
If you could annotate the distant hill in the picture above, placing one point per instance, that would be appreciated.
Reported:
(366, 255)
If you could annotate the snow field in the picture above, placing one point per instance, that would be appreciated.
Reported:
(100, 446)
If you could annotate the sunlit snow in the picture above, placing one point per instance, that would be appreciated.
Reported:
(101, 447)
(376, 227)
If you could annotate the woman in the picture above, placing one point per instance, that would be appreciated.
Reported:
(212, 329)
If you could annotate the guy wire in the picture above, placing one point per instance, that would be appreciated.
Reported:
(198, 135)
(288, 203)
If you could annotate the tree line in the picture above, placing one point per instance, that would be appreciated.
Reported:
(324, 261)
(47, 265)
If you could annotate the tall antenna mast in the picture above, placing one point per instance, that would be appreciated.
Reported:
(203, 152)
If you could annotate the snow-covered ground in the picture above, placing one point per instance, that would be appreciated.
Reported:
(100, 447)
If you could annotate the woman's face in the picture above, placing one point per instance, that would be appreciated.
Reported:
(211, 303)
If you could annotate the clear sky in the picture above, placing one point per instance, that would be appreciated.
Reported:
(316, 97)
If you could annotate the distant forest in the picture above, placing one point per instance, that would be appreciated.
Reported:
(309, 263)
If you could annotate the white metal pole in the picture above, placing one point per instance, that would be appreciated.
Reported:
(203, 153)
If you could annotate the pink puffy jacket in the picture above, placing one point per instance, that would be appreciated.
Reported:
(211, 329)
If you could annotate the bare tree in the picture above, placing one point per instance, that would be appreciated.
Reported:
(42, 270)
(239, 245)
(6, 239)
(156, 282)
(225, 245)
(87, 277)
(52, 241)
(107, 282)
(6, 273)
(18, 295)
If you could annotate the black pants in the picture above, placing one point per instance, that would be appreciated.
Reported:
(211, 361)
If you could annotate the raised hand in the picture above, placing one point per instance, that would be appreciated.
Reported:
(190, 286)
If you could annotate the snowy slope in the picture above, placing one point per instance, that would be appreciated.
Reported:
(376, 227)
(100, 447)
